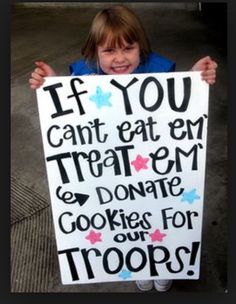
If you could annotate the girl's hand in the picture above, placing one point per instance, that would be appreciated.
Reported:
(208, 68)
(37, 77)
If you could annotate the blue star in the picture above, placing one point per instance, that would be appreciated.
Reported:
(190, 196)
(101, 98)
(125, 274)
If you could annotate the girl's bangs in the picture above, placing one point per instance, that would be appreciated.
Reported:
(117, 38)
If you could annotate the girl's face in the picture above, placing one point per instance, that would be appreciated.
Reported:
(118, 60)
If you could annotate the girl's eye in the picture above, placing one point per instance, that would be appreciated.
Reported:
(128, 48)
(108, 50)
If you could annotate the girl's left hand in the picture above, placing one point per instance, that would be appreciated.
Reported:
(208, 68)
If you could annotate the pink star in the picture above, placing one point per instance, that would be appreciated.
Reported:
(93, 237)
(157, 236)
(140, 163)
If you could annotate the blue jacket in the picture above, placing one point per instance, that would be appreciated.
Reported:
(155, 63)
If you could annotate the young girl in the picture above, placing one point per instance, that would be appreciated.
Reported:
(117, 44)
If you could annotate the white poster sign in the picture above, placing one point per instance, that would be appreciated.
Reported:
(125, 158)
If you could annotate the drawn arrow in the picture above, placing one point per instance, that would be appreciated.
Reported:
(70, 198)
(81, 198)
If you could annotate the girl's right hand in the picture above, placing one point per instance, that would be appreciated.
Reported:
(37, 77)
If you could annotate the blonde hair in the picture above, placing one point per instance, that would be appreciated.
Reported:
(119, 24)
